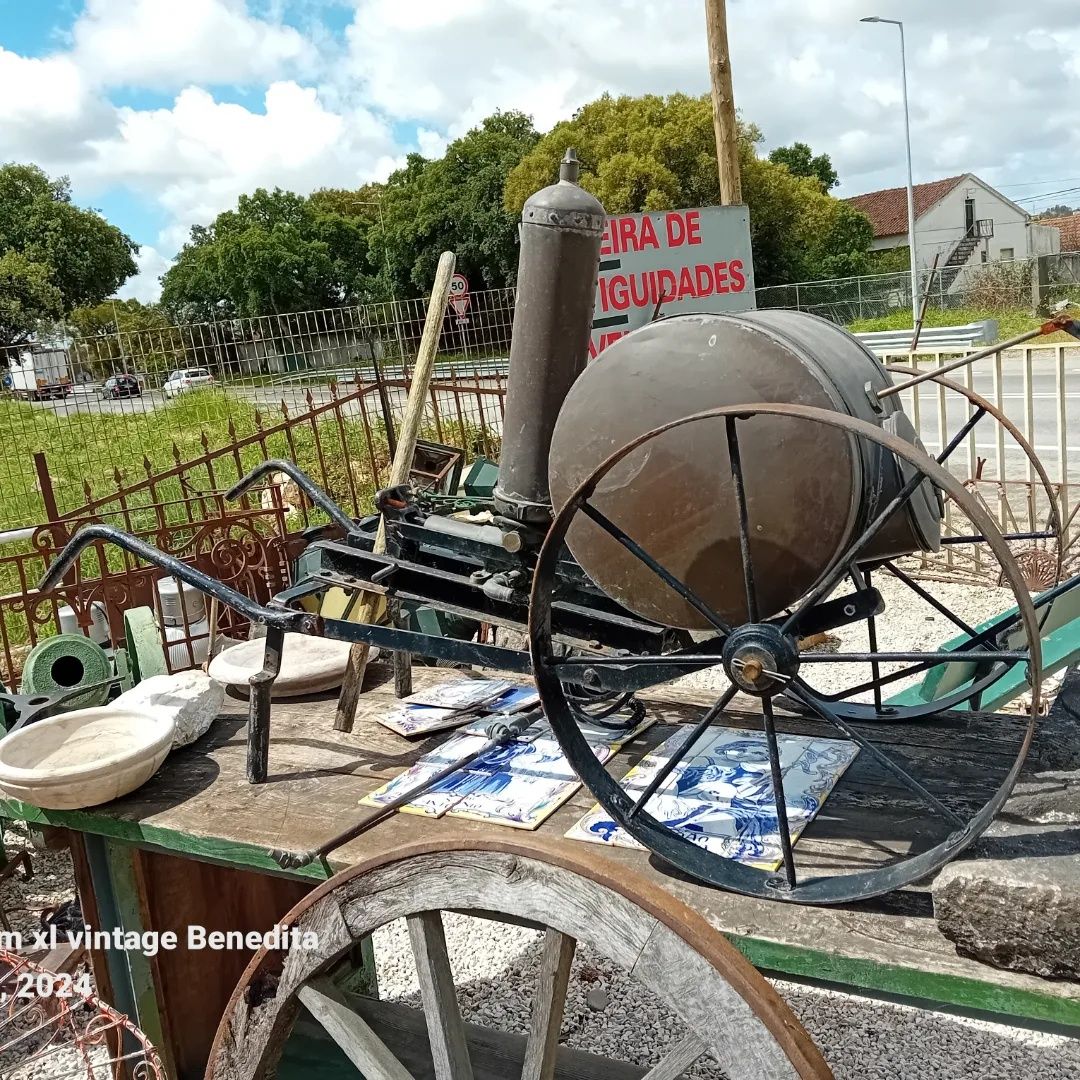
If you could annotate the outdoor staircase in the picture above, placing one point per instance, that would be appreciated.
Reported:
(957, 259)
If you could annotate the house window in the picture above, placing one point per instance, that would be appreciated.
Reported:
(1007, 254)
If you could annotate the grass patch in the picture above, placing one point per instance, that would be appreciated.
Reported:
(1010, 323)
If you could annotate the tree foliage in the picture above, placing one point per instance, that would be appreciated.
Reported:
(276, 253)
(454, 203)
(54, 256)
(1057, 210)
(658, 153)
(801, 161)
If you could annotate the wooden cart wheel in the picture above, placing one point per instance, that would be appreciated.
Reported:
(728, 1010)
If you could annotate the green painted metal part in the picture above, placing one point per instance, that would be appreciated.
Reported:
(480, 479)
(123, 669)
(1060, 648)
(145, 651)
(60, 663)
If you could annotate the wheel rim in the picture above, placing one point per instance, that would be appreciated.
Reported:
(675, 848)
(733, 1012)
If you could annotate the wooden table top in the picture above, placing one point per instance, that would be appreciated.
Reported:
(200, 806)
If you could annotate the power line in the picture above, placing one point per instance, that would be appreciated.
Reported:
(1048, 194)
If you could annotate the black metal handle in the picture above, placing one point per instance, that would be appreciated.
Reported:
(284, 618)
(304, 482)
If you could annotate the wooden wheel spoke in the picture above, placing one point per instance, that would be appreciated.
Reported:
(449, 1050)
(351, 1032)
(545, 1022)
(678, 1059)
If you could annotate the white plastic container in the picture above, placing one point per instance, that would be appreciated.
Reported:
(99, 628)
(170, 590)
(180, 658)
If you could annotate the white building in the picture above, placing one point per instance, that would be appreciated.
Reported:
(962, 219)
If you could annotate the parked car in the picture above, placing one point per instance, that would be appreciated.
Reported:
(118, 386)
(186, 379)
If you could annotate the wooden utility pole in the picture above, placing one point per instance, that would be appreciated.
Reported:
(723, 103)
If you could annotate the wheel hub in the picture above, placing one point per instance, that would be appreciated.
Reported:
(759, 659)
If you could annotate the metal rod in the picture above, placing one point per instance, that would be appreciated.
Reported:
(302, 481)
(262, 683)
(744, 519)
(500, 732)
(699, 729)
(910, 657)
(1047, 328)
(1043, 535)
(665, 575)
(932, 600)
(779, 799)
(871, 627)
(879, 523)
(882, 759)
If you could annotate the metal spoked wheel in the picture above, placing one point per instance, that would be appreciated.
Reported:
(1041, 566)
(761, 658)
(727, 1011)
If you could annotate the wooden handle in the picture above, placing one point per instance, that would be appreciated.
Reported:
(400, 468)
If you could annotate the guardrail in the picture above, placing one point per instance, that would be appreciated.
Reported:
(932, 338)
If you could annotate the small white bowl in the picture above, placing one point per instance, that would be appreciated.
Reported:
(84, 758)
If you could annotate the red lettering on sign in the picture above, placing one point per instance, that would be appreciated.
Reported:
(738, 281)
(693, 227)
(596, 348)
(668, 283)
(676, 230)
(686, 284)
(704, 280)
(720, 271)
(648, 235)
(617, 291)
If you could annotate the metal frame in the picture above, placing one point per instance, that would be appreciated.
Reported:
(683, 853)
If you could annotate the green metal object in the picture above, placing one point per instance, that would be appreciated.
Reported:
(429, 620)
(308, 562)
(480, 479)
(1060, 648)
(123, 669)
(58, 664)
(145, 652)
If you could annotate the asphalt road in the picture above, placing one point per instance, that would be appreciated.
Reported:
(1044, 421)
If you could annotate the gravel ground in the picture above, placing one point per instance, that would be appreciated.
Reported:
(862, 1039)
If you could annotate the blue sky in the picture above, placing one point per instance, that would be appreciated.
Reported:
(162, 112)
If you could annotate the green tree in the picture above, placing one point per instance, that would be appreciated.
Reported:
(124, 335)
(801, 161)
(276, 253)
(56, 256)
(659, 153)
(454, 202)
(1057, 210)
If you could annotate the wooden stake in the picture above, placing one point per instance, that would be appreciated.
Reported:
(723, 103)
(407, 436)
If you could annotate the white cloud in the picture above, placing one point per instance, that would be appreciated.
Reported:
(145, 285)
(163, 44)
(991, 85)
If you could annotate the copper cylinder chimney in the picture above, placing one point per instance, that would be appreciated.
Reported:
(561, 230)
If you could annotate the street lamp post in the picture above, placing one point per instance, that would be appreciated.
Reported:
(910, 187)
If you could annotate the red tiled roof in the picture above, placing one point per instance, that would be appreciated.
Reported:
(1068, 226)
(887, 210)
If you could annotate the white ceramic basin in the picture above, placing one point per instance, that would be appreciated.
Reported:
(84, 758)
(309, 665)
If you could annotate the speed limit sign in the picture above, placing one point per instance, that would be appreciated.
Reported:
(459, 297)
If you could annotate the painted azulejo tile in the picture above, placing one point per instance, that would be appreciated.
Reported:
(720, 795)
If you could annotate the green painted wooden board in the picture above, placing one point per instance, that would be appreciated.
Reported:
(1060, 649)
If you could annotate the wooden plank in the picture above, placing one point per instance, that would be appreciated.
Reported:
(351, 1032)
(677, 1060)
(495, 1055)
(445, 1031)
(545, 1020)
(193, 984)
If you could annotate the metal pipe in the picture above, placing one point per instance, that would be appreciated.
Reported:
(299, 621)
(302, 481)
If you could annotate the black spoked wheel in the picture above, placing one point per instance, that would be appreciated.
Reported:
(757, 651)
